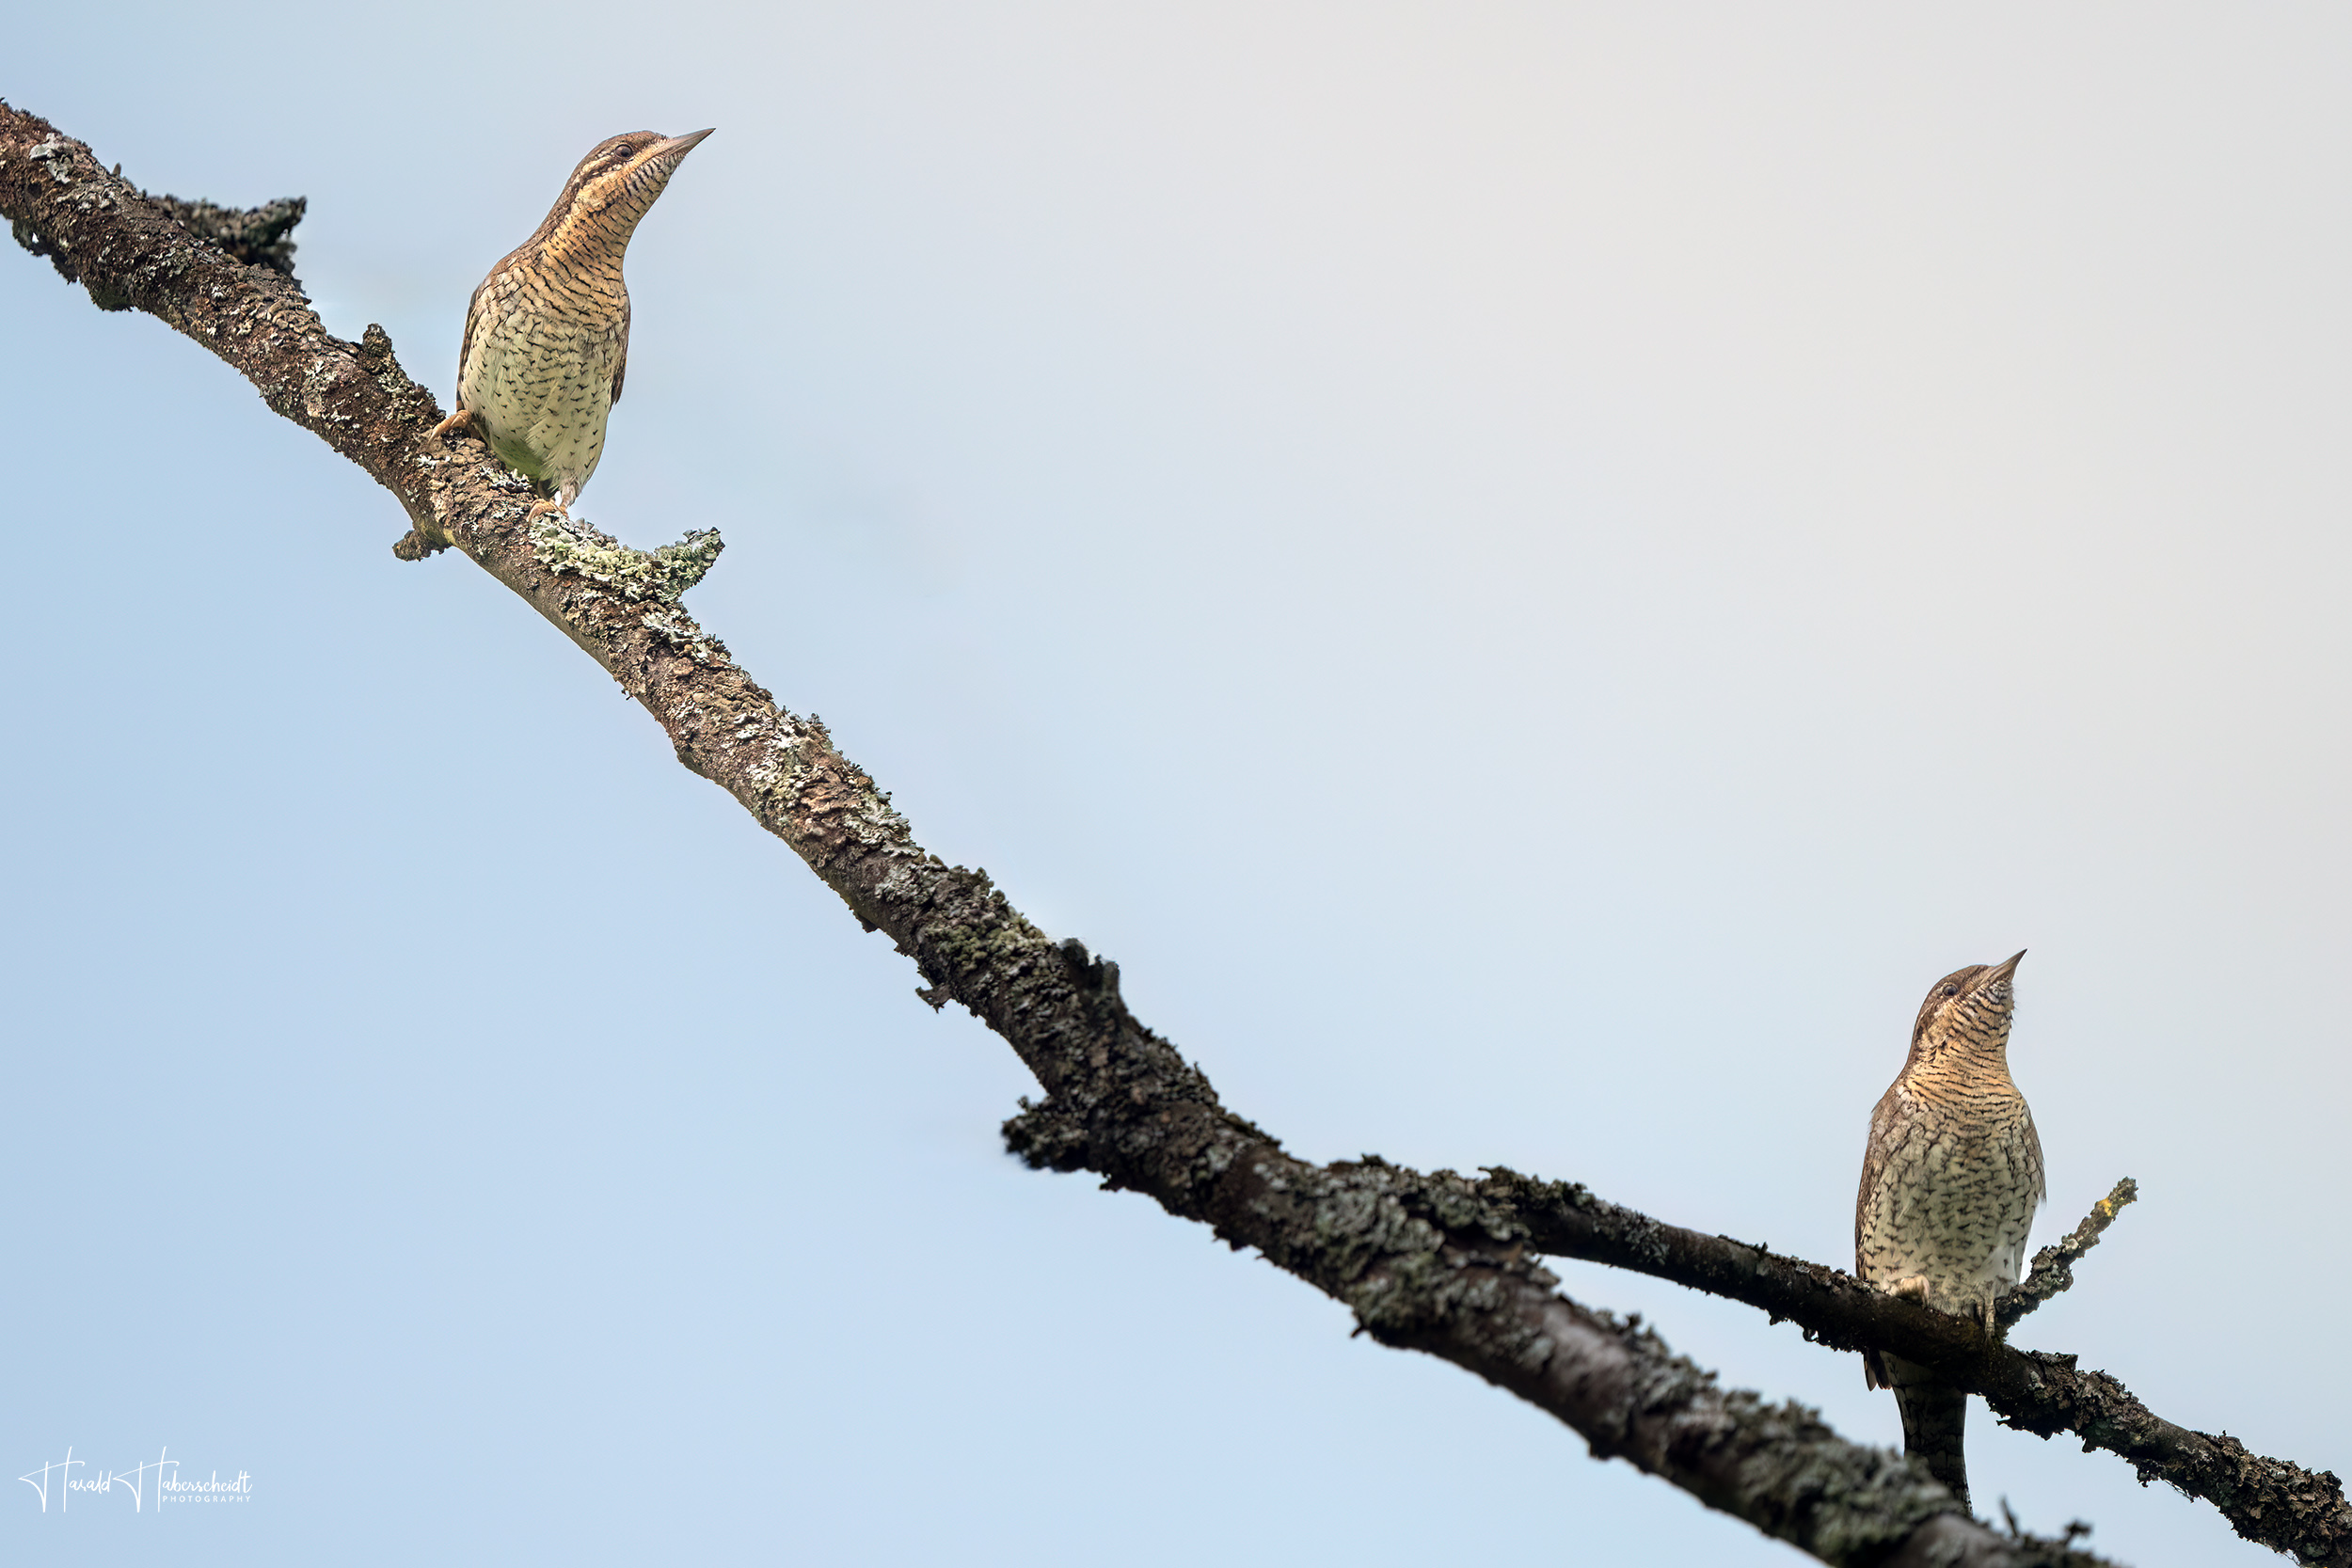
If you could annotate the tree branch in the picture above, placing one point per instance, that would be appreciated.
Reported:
(2053, 1268)
(2271, 1502)
(1434, 1263)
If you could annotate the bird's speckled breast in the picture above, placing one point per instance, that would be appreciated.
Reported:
(539, 373)
(1956, 1199)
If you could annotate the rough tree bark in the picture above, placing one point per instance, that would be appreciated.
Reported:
(1434, 1262)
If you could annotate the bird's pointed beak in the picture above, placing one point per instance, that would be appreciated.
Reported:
(1999, 973)
(648, 173)
(665, 155)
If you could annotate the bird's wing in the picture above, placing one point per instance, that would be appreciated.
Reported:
(465, 344)
(1888, 1131)
(2012, 1227)
(2034, 1167)
(620, 360)
(1893, 1109)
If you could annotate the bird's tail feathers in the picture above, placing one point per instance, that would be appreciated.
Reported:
(1935, 1415)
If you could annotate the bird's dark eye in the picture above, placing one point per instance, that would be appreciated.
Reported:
(1950, 991)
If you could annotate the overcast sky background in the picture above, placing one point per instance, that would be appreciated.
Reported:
(1533, 574)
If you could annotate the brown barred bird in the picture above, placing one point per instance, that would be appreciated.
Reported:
(546, 335)
(1949, 1185)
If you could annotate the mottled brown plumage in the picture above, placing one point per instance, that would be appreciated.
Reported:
(1949, 1185)
(547, 334)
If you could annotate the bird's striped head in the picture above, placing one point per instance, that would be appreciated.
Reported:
(1969, 1007)
(613, 187)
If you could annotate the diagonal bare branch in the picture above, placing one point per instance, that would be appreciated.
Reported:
(1435, 1263)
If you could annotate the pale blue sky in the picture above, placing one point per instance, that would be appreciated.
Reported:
(1533, 574)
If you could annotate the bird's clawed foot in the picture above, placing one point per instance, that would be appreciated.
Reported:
(460, 422)
(1914, 1289)
(539, 509)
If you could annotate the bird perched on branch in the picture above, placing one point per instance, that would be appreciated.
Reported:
(1949, 1185)
(546, 335)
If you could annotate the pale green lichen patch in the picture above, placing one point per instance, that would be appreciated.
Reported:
(660, 575)
(680, 630)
